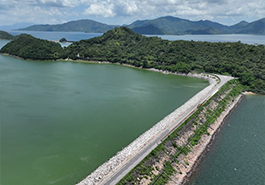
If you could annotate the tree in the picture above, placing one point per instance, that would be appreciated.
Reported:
(63, 40)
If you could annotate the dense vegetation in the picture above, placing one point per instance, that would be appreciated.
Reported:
(28, 47)
(63, 40)
(121, 45)
(172, 152)
(6, 36)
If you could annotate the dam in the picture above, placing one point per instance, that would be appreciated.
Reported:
(118, 166)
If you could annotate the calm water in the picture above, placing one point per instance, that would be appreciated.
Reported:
(61, 120)
(237, 155)
(76, 36)
(247, 39)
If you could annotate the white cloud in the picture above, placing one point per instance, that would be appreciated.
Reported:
(104, 9)
(25, 10)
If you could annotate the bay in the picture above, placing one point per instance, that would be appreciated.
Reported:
(237, 155)
(61, 120)
(76, 36)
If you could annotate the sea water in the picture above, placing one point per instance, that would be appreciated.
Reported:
(237, 154)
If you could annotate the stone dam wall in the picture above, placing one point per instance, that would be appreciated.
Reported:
(109, 167)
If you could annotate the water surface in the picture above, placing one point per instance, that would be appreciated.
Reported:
(76, 36)
(237, 155)
(61, 120)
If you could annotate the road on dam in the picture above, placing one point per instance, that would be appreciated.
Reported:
(125, 168)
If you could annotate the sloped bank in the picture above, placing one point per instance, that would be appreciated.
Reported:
(172, 160)
(193, 158)
(123, 156)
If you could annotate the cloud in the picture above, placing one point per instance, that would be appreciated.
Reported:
(188, 8)
(129, 10)
(103, 8)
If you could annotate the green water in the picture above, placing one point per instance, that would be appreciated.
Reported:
(61, 120)
(237, 156)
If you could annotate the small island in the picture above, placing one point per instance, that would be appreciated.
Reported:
(63, 40)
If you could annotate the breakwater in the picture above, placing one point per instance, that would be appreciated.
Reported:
(109, 167)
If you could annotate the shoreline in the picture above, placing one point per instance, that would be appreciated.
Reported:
(210, 144)
(193, 74)
(249, 93)
(108, 168)
(210, 78)
(200, 150)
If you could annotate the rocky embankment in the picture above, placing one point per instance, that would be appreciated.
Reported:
(192, 158)
(126, 154)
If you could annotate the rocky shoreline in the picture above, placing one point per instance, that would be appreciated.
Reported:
(108, 168)
(194, 157)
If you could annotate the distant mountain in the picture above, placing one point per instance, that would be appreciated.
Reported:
(256, 27)
(148, 30)
(172, 26)
(161, 26)
(205, 31)
(85, 25)
(239, 26)
(15, 26)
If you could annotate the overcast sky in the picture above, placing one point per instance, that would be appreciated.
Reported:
(126, 11)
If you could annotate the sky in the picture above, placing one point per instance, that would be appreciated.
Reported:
(119, 12)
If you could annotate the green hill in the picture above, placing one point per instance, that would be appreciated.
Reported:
(78, 26)
(122, 45)
(28, 47)
(6, 36)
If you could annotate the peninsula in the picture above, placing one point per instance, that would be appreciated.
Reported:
(122, 45)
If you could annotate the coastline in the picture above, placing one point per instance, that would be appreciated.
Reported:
(106, 169)
(190, 74)
(211, 80)
(249, 93)
(198, 151)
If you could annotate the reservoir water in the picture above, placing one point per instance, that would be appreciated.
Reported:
(61, 120)
(237, 155)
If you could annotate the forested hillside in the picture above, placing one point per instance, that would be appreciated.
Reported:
(29, 47)
(124, 46)
(6, 36)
